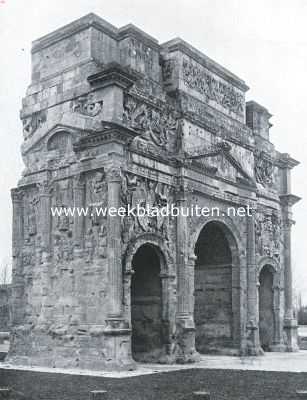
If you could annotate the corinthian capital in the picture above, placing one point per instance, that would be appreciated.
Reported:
(44, 188)
(288, 223)
(16, 194)
(114, 174)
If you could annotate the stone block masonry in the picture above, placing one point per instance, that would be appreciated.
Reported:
(112, 118)
(5, 312)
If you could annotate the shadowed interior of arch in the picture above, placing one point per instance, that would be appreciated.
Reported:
(266, 312)
(146, 305)
(213, 314)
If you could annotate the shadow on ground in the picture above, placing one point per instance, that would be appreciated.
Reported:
(177, 385)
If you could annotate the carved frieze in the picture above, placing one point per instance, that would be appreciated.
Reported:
(32, 123)
(215, 122)
(87, 105)
(201, 80)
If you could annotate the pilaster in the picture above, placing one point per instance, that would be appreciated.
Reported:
(253, 343)
(78, 227)
(117, 332)
(185, 297)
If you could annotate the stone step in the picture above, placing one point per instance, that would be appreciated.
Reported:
(98, 395)
(201, 395)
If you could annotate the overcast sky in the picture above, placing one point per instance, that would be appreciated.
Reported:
(264, 42)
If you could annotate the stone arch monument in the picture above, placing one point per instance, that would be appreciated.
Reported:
(112, 118)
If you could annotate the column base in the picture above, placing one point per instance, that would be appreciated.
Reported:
(290, 328)
(279, 348)
(253, 347)
(186, 352)
(118, 344)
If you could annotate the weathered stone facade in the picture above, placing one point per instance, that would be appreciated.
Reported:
(112, 118)
(5, 314)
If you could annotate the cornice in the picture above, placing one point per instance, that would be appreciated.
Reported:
(93, 21)
(114, 74)
(285, 161)
(88, 21)
(178, 44)
(110, 132)
(289, 199)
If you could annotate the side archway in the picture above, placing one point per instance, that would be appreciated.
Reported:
(148, 286)
(270, 321)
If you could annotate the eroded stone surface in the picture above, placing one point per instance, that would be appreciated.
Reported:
(113, 118)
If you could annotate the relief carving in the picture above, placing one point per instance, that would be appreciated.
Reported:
(268, 234)
(167, 69)
(264, 169)
(197, 78)
(32, 217)
(216, 123)
(86, 105)
(221, 157)
(146, 193)
(157, 126)
(32, 123)
(62, 247)
(98, 195)
(140, 53)
(102, 242)
(89, 245)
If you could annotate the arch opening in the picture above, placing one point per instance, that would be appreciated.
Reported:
(146, 304)
(266, 307)
(213, 308)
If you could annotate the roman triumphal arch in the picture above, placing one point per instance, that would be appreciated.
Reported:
(114, 119)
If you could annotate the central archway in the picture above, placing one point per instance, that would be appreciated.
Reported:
(216, 306)
(146, 304)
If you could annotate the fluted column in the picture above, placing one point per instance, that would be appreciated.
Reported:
(44, 215)
(17, 229)
(78, 230)
(290, 323)
(287, 225)
(185, 289)
(287, 200)
(114, 246)
(117, 330)
(17, 243)
(278, 325)
(183, 309)
(253, 345)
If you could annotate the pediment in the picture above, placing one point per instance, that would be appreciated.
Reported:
(39, 141)
(220, 161)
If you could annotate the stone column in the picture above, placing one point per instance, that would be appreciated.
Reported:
(17, 229)
(79, 194)
(287, 200)
(185, 288)
(278, 338)
(290, 323)
(168, 317)
(17, 243)
(114, 246)
(117, 329)
(44, 216)
(253, 344)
